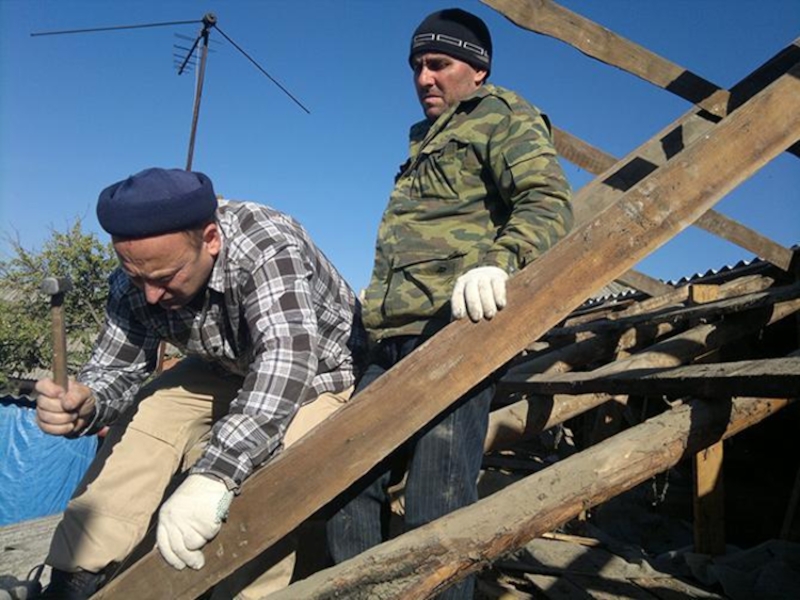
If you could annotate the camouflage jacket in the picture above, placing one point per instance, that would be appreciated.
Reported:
(482, 186)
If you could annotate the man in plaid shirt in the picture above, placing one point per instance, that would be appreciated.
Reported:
(271, 333)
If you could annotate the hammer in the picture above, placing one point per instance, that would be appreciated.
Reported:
(56, 287)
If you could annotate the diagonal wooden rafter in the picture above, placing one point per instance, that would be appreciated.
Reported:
(425, 561)
(594, 40)
(597, 161)
(402, 401)
(549, 18)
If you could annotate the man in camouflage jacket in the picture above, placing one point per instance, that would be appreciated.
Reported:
(481, 196)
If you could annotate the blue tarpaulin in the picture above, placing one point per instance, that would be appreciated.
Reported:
(38, 472)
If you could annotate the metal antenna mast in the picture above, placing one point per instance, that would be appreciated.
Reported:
(209, 22)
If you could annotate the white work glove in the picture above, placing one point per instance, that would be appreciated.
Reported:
(191, 518)
(479, 293)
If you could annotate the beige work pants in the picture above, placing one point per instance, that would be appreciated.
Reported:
(116, 504)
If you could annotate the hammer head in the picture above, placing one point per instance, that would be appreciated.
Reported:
(56, 285)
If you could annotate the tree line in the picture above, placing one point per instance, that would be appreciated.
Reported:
(25, 342)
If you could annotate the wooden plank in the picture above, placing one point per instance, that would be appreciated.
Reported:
(709, 501)
(673, 139)
(581, 153)
(744, 237)
(768, 377)
(726, 306)
(639, 281)
(426, 560)
(23, 546)
(548, 18)
(703, 293)
(596, 161)
(667, 588)
(463, 354)
(674, 297)
(527, 418)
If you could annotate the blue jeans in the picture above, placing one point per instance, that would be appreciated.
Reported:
(443, 461)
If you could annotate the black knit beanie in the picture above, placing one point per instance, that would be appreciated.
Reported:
(457, 33)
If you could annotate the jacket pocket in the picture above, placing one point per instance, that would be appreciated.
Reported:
(420, 285)
(441, 168)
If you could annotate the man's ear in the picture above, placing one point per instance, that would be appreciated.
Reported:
(212, 240)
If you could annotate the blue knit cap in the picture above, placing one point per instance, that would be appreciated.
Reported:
(156, 201)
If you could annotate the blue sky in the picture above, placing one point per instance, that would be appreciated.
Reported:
(78, 112)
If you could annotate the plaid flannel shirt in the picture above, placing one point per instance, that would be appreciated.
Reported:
(275, 312)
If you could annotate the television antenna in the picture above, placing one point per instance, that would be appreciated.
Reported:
(209, 22)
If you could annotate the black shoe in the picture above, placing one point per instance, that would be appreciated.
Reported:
(72, 586)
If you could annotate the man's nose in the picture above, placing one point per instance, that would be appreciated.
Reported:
(424, 77)
(153, 293)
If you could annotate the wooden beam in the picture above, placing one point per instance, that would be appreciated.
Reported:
(728, 229)
(644, 283)
(609, 186)
(427, 560)
(548, 18)
(709, 501)
(767, 377)
(717, 309)
(299, 482)
(597, 161)
(581, 153)
(526, 418)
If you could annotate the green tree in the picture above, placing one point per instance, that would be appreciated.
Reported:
(25, 341)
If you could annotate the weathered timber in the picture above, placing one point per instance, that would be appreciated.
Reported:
(745, 237)
(717, 309)
(767, 377)
(581, 153)
(644, 283)
(597, 161)
(425, 561)
(708, 501)
(548, 18)
(673, 139)
(463, 354)
(599, 348)
(526, 418)
(685, 347)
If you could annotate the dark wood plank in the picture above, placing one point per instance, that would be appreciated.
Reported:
(597, 161)
(527, 418)
(673, 139)
(425, 560)
(709, 501)
(768, 377)
(548, 18)
(297, 483)
(720, 308)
